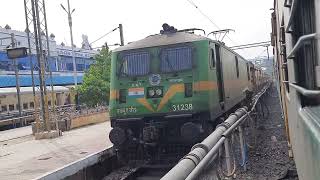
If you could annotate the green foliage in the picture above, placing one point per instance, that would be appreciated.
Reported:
(96, 81)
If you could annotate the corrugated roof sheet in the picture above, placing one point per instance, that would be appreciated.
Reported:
(26, 90)
(25, 81)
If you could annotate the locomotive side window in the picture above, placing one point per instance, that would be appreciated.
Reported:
(176, 59)
(217, 50)
(213, 58)
(237, 66)
(135, 64)
(248, 72)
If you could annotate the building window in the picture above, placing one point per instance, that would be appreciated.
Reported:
(4, 108)
(237, 66)
(25, 105)
(31, 105)
(11, 107)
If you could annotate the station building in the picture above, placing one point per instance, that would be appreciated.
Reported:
(60, 60)
(60, 63)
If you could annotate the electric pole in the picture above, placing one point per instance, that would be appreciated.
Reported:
(121, 35)
(69, 12)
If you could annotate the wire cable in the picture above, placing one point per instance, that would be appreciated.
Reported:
(104, 35)
(203, 14)
(212, 22)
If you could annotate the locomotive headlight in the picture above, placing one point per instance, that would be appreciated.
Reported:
(151, 92)
(159, 92)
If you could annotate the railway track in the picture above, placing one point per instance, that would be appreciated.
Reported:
(140, 172)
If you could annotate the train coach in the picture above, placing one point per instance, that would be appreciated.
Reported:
(173, 87)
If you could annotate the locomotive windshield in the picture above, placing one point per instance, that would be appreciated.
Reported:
(176, 59)
(135, 64)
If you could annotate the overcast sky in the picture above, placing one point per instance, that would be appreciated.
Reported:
(140, 18)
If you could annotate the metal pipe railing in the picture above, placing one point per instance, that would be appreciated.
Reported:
(304, 91)
(191, 165)
(300, 42)
(292, 13)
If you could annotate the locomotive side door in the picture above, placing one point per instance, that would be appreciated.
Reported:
(220, 77)
(219, 74)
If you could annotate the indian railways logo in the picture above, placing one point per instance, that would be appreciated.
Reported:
(155, 79)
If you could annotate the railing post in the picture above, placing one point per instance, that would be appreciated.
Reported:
(242, 147)
(227, 155)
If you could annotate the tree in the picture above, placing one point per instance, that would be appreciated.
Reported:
(96, 81)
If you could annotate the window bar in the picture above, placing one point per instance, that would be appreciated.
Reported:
(304, 91)
(293, 11)
(284, 65)
(286, 4)
(300, 42)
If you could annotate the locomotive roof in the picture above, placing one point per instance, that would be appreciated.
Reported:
(167, 39)
(162, 39)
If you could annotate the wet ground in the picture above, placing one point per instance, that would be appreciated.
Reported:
(269, 159)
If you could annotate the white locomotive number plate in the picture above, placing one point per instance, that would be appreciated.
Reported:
(181, 107)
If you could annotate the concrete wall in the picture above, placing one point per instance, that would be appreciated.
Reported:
(87, 119)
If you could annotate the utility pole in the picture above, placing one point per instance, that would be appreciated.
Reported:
(69, 12)
(15, 64)
(39, 40)
(35, 100)
(268, 52)
(121, 35)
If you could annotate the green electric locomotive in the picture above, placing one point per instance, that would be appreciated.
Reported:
(170, 88)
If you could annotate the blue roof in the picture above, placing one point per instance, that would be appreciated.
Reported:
(25, 80)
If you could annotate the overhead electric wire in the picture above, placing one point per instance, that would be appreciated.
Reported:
(104, 35)
(212, 22)
(203, 14)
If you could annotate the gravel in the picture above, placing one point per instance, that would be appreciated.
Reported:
(269, 160)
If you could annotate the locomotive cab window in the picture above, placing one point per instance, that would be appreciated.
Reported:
(176, 59)
(134, 64)
(237, 66)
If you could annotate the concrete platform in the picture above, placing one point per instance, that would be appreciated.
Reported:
(22, 157)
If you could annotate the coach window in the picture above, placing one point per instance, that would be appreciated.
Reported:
(237, 66)
(4, 108)
(31, 105)
(213, 59)
(11, 107)
(25, 105)
(283, 53)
